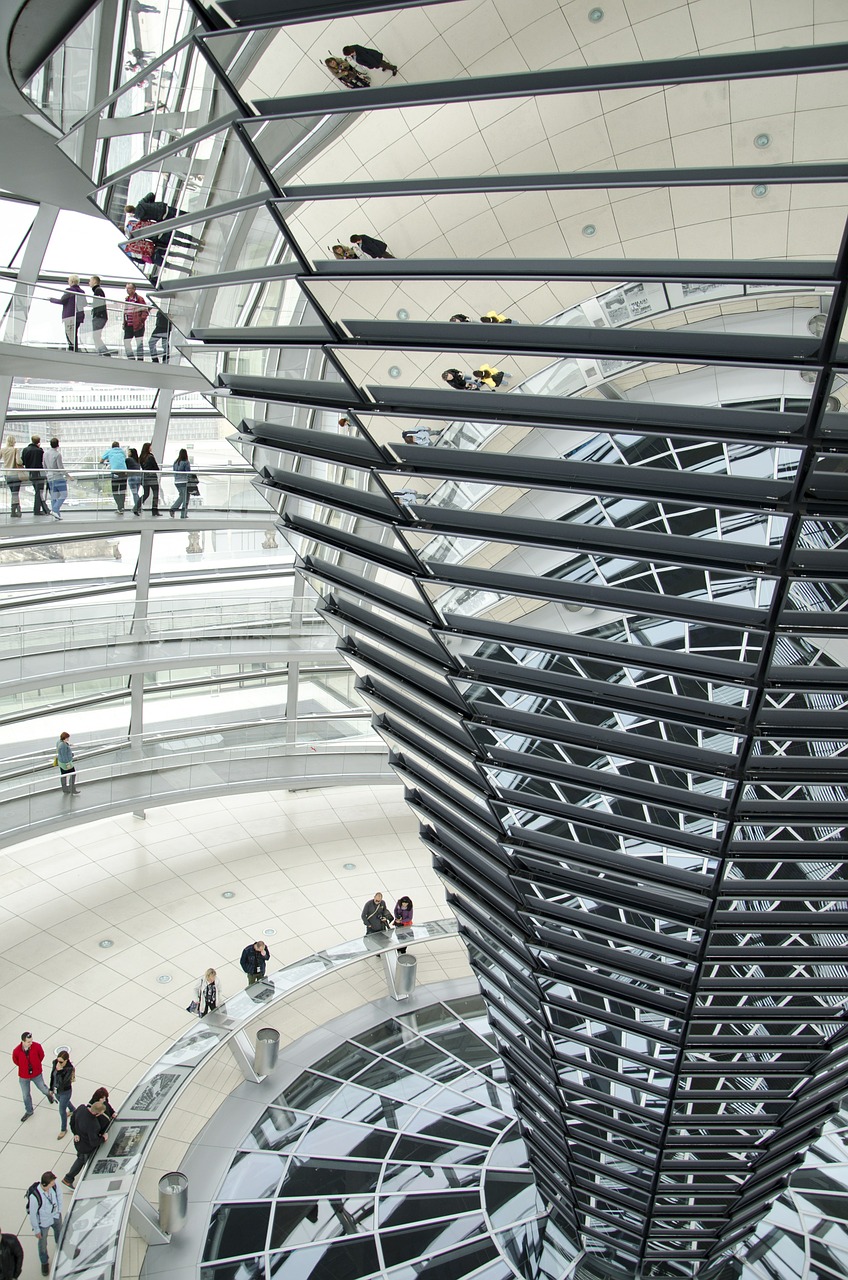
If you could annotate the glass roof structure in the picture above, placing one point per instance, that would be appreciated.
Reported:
(597, 608)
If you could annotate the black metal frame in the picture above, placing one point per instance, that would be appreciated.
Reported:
(639, 819)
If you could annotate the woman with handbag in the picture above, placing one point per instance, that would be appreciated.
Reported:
(207, 996)
(182, 471)
(62, 1078)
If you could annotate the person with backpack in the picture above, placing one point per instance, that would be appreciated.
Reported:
(44, 1206)
(88, 1135)
(62, 1078)
(11, 1256)
(136, 312)
(28, 1057)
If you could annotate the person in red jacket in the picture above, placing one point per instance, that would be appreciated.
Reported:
(28, 1057)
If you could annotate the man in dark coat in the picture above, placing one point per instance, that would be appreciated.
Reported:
(370, 58)
(33, 459)
(88, 1135)
(11, 1256)
(253, 960)
(376, 915)
(373, 247)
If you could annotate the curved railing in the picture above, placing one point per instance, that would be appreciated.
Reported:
(193, 764)
(172, 1102)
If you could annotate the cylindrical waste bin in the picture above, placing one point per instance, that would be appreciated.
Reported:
(173, 1202)
(267, 1051)
(405, 975)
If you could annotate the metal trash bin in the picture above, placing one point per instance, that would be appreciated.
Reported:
(173, 1202)
(267, 1051)
(405, 975)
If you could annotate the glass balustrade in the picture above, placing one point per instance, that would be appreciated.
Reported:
(31, 315)
(32, 772)
(226, 489)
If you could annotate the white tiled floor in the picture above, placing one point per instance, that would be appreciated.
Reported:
(155, 889)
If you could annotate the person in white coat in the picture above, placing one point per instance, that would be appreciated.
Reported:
(208, 994)
(45, 1214)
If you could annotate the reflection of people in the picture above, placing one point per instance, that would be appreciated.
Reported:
(371, 246)
(490, 378)
(347, 74)
(370, 58)
(344, 253)
(375, 915)
(253, 961)
(459, 381)
(420, 436)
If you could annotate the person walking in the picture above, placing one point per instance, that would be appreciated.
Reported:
(208, 994)
(403, 917)
(32, 457)
(160, 338)
(11, 1256)
(117, 460)
(99, 316)
(372, 59)
(67, 768)
(13, 470)
(376, 915)
(150, 481)
(62, 1077)
(88, 1135)
(371, 246)
(136, 312)
(459, 381)
(133, 476)
(28, 1057)
(44, 1204)
(490, 379)
(72, 303)
(253, 961)
(182, 469)
(57, 477)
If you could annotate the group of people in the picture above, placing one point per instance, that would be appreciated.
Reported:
(486, 378)
(378, 919)
(88, 1124)
(140, 471)
(362, 246)
(134, 310)
(148, 251)
(357, 77)
(44, 469)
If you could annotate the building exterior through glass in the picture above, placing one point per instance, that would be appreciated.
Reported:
(596, 606)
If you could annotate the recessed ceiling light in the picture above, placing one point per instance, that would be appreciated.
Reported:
(833, 405)
(590, 229)
(350, 866)
(595, 15)
(394, 371)
(164, 978)
(228, 893)
(269, 933)
(762, 140)
(402, 314)
(105, 943)
(759, 190)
